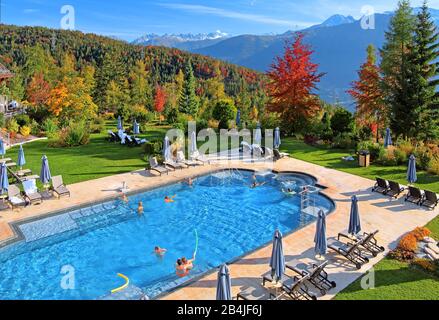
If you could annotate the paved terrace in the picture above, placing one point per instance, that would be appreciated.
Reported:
(392, 217)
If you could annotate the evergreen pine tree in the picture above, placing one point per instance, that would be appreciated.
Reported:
(423, 78)
(188, 102)
(396, 69)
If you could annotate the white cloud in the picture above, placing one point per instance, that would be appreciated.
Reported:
(233, 14)
(30, 11)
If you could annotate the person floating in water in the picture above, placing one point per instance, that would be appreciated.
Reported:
(160, 252)
(289, 191)
(170, 199)
(124, 197)
(140, 209)
(256, 184)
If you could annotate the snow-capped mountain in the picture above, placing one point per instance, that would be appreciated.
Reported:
(183, 40)
(334, 20)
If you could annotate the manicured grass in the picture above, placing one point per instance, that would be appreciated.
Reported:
(331, 158)
(393, 280)
(97, 159)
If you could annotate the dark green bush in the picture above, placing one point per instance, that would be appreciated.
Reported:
(75, 134)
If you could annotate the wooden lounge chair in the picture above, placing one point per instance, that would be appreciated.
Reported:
(430, 199)
(15, 198)
(367, 241)
(394, 189)
(59, 187)
(31, 191)
(380, 186)
(174, 165)
(196, 156)
(349, 251)
(414, 195)
(297, 289)
(112, 137)
(182, 159)
(317, 275)
(154, 166)
(255, 293)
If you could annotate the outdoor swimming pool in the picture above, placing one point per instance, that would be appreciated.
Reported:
(95, 243)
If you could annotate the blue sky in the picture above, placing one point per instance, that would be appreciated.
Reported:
(129, 19)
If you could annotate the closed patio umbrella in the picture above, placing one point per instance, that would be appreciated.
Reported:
(277, 141)
(2, 148)
(119, 123)
(388, 139)
(411, 171)
(238, 118)
(258, 135)
(354, 220)
(224, 285)
(320, 240)
(21, 159)
(193, 144)
(166, 149)
(136, 128)
(4, 182)
(277, 261)
(45, 175)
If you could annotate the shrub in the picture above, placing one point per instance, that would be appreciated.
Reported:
(75, 134)
(364, 133)
(97, 125)
(420, 233)
(401, 255)
(224, 111)
(342, 121)
(310, 139)
(50, 128)
(153, 148)
(374, 149)
(400, 156)
(213, 124)
(25, 131)
(425, 264)
(423, 157)
(270, 120)
(408, 243)
(2, 120)
(405, 147)
(387, 157)
(343, 141)
(12, 125)
(22, 119)
(433, 167)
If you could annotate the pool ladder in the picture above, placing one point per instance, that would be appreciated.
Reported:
(307, 202)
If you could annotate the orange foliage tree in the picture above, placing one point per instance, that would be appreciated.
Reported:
(292, 79)
(159, 99)
(38, 90)
(368, 94)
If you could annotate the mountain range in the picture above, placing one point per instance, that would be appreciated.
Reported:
(339, 45)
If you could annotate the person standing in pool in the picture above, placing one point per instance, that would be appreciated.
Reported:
(188, 264)
(124, 197)
(140, 209)
(160, 252)
(180, 269)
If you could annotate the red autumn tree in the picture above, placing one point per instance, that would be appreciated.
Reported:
(370, 110)
(38, 90)
(293, 78)
(159, 99)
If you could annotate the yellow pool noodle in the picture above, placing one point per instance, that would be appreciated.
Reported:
(127, 282)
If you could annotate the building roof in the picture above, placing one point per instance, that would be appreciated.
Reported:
(4, 72)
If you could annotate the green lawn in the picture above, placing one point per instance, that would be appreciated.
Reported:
(97, 159)
(393, 280)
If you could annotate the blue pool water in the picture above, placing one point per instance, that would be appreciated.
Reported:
(98, 242)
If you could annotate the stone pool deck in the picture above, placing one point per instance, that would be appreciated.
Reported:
(392, 217)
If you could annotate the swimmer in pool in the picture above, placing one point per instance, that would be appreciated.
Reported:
(180, 269)
(160, 252)
(289, 191)
(188, 264)
(140, 209)
(256, 184)
(190, 182)
(170, 199)
(124, 197)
